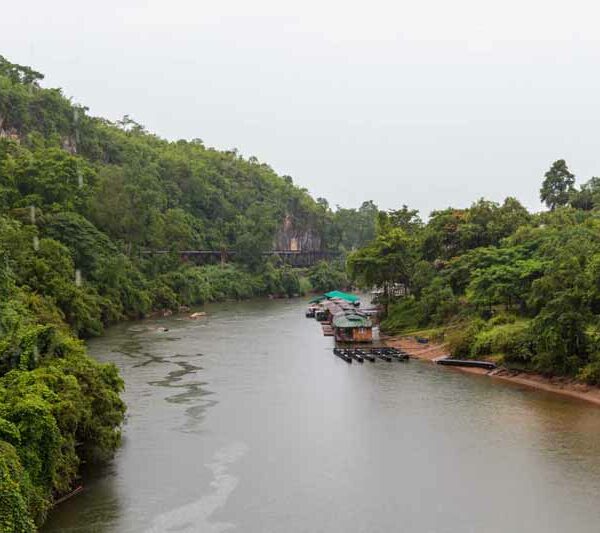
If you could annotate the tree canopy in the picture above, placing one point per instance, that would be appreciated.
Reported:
(557, 185)
(496, 280)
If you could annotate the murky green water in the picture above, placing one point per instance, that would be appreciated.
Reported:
(246, 421)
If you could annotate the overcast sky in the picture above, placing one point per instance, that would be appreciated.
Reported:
(425, 103)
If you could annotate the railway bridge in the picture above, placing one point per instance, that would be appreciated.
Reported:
(295, 258)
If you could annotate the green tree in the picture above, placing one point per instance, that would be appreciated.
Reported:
(326, 276)
(387, 262)
(587, 197)
(557, 185)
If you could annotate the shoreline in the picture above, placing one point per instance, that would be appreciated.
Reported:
(564, 386)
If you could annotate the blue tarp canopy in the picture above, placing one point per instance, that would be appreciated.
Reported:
(342, 296)
(336, 294)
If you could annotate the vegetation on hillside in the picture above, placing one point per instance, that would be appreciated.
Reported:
(496, 280)
(81, 199)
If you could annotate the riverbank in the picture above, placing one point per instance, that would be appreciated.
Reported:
(565, 386)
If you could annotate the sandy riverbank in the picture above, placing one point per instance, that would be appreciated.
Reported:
(563, 386)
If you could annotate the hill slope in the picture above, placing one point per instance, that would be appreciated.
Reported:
(80, 198)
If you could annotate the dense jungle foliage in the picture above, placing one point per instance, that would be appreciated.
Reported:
(495, 280)
(81, 200)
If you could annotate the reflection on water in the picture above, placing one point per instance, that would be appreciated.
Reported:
(246, 421)
(195, 516)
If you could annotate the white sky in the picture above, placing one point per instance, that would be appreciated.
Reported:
(425, 102)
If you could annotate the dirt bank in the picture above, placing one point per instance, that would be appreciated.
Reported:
(568, 387)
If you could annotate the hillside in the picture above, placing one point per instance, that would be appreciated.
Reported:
(81, 199)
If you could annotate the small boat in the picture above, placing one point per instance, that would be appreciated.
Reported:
(366, 355)
(355, 355)
(448, 361)
(341, 354)
(381, 354)
(321, 315)
(397, 354)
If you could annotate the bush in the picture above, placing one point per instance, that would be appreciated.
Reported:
(66, 411)
(402, 316)
(502, 318)
(305, 285)
(14, 512)
(561, 342)
(438, 303)
(590, 373)
(460, 341)
(163, 297)
(290, 281)
(58, 408)
(327, 276)
(513, 340)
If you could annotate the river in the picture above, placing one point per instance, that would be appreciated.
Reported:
(246, 421)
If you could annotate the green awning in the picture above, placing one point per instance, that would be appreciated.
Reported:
(316, 300)
(342, 296)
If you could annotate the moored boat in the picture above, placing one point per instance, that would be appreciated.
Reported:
(448, 361)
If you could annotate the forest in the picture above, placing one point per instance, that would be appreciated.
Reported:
(85, 201)
(496, 281)
(82, 200)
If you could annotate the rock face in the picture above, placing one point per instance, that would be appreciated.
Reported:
(6, 131)
(294, 239)
(69, 143)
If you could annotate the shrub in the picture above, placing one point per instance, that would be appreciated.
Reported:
(290, 282)
(327, 276)
(502, 318)
(437, 303)
(590, 373)
(561, 342)
(460, 340)
(305, 285)
(513, 340)
(14, 512)
(404, 315)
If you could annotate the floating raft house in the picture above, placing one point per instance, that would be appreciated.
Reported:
(337, 311)
(352, 326)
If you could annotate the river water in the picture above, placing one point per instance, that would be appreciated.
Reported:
(246, 421)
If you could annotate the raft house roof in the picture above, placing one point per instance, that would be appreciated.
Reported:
(337, 306)
(336, 295)
(351, 320)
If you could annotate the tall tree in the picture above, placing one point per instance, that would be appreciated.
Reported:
(386, 262)
(557, 185)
